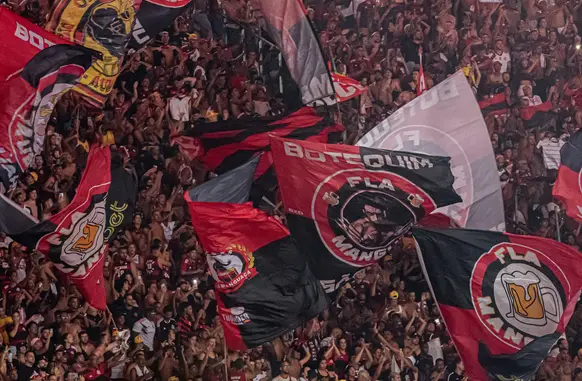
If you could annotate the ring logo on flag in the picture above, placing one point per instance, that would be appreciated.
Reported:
(410, 138)
(86, 239)
(230, 269)
(518, 293)
(359, 213)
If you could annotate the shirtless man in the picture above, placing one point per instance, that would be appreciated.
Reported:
(68, 327)
(170, 52)
(86, 347)
(296, 362)
(156, 228)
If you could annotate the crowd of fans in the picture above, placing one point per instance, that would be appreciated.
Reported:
(212, 64)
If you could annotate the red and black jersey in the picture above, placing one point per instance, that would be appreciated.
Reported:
(196, 264)
(120, 269)
(99, 373)
(153, 269)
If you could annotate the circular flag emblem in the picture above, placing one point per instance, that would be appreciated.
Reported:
(359, 213)
(518, 293)
(437, 142)
(230, 269)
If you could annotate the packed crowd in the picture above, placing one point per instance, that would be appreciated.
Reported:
(161, 322)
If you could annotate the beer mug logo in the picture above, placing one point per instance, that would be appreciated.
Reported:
(519, 293)
(526, 299)
(86, 239)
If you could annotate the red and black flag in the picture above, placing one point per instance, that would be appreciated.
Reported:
(506, 299)
(495, 105)
(21, 40)
(152, 17)
(346, 88)
(103, 26)
(568, 186)
(234, 186)
(538, 116)
(27, 100)
(222, 146)
(121, 197)
(74, 239)
(264, 287)
(348, 205)
(288, 25)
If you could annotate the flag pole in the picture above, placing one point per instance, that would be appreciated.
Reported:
(556, 211)
(225, 358)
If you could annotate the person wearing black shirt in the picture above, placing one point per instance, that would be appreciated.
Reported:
(166, 324)
(365, 15)
(130, 311)
(410, 46)
(27, 369)
(136, 73)
(458, 373)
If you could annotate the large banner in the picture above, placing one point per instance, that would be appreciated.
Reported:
(27, 99)
(152, 17)
(263, 285)
(233, 186)
(347, 205)
(222, 146)
(288, 25)
(20, 41)
(74, 239)
(103, 26)
(506, 299)
(446, 121)
(120, 198)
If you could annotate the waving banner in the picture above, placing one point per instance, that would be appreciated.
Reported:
(222, 146)
(446, 121)
(120, 198)
(506, 299)
(568, 186)
(288, 25)
(152, 17)
(263, 285)
(346, 88)
(21, 40)
(74, 239)
(347, 205)
(27, 100)
(103, 26)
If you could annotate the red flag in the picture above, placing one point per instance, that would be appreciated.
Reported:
(189, 146)
(346, 88)
(27, 100)
(73, 239)
(21, 40)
